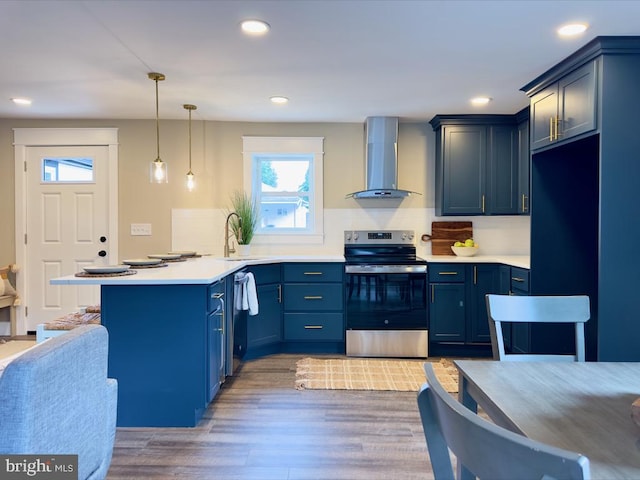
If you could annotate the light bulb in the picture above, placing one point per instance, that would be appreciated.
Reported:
(191, 183)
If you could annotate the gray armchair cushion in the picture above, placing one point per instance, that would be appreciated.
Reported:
(57, 399)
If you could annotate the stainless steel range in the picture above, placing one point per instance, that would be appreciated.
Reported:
(385, 295)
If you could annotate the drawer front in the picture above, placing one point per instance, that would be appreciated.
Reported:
(314, 326)
(313, 296)
(446, 272)
(313, 272)
(215, 296)
(265, 274)
(519, 280)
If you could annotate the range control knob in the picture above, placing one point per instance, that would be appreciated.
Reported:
(347, 237)
(411, 236)
(355, 236)
(404, 236)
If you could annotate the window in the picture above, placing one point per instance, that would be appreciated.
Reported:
(284, 176)
(68, 170)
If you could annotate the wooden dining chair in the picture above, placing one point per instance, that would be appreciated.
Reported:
(537, 309)
(483, 448)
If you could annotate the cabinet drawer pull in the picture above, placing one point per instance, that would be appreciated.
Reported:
(516, 279)
(313, 327)
(217, 295)
(312, 273)
(313, 297)
(447, 273)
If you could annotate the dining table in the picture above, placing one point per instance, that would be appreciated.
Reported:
(584, 407)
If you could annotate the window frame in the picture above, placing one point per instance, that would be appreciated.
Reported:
(264, 146)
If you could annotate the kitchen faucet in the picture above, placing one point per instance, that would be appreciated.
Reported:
(228, 250)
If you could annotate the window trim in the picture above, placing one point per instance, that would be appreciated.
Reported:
(287, 145)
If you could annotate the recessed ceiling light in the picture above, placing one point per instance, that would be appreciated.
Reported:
(571, 29)
(480, 100)
(21, 101)
(255, 27)
(279, 99)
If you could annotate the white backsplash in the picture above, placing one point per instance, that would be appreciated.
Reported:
(203, 231)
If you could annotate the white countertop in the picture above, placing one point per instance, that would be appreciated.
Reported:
(522, 261)
(205, 270)
(193, 271)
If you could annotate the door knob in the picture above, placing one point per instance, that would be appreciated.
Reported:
(103, 239)
(102, 253)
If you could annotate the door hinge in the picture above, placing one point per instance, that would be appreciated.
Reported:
(25, 166)
(25, 238)
(26, 311)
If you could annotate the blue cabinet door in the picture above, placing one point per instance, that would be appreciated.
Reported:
(464, 159)
(266, 327)
(577, 102)
(544, 111)
(483, 279)
(447, 312)
(214, 361)
(524, 164)
(501, 191)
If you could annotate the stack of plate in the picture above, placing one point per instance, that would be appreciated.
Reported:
(101, 269)
(142, 262)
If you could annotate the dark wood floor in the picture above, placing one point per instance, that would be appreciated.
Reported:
(260, 427)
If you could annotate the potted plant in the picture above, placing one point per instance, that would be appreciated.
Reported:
(244, 225)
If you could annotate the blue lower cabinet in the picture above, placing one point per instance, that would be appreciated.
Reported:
(159, 351)
(458, 320)
(313, 307)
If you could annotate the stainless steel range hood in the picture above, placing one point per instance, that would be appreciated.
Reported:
(381, 134)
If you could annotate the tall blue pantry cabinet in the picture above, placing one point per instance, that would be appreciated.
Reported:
(585, 171)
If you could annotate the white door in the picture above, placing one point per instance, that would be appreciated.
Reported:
(67, 226)
(61, 217)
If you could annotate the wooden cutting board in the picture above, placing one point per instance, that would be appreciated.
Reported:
(445, 234)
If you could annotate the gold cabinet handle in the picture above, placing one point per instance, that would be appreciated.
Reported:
(313, 327)
(279, 293)
(524, 203)
(482, 203)
(516, 279)
(447, 273)
(433, 293)
(551, 129)
(313, 297)
(475, 275)
(312, 273)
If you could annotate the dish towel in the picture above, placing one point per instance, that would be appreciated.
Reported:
(246, 297)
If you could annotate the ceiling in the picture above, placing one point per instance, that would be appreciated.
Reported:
(336, 60)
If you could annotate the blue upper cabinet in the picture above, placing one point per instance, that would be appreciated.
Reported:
(476, 164)
(566, 108)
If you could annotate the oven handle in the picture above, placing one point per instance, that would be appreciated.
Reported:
(390, 269)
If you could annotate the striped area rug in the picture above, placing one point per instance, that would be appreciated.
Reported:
(370, 374)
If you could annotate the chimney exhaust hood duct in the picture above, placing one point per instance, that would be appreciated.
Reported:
(381, 134)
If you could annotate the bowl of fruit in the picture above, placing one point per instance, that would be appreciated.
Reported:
(468, 248)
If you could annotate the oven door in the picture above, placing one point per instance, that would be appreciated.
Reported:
(386, 301)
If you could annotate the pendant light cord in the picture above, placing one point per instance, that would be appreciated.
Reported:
(157, 122)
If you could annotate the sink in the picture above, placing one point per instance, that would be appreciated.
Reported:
(239, 259)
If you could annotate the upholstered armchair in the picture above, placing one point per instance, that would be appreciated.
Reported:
(56, 399)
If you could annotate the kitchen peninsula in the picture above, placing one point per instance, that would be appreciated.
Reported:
(167, 334)
(168, 343)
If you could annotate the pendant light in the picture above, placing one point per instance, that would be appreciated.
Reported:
(190, 176)
(158, 172)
